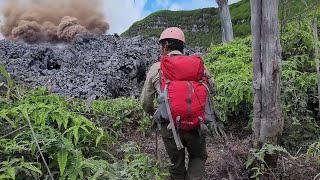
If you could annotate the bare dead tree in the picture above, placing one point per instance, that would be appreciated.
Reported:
(226, 24)
(266, 51)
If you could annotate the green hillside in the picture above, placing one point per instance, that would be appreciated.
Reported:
(202, 26)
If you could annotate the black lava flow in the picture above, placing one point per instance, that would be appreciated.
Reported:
(91, 67)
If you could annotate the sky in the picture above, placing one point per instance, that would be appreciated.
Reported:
(135, 10)
(121, 14)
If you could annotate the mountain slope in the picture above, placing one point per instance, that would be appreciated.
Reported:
(202, 26)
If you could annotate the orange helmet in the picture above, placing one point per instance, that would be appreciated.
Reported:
(173, 33)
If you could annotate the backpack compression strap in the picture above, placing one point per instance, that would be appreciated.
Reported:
(174, 132)
(212, 115)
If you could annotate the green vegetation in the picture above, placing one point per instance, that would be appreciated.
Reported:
(314, 151)
(258, 155)
(231, 66)
(72, 144)
(209, 18)
(201, 18)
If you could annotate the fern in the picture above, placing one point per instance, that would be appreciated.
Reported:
(77, 148)
(62, 157)
(314, 151)
(223, 62)
(9, 168)
(120, 111)
(259, 156)
(138, 165)
(4, 115)
(10, 85)
(59, 131)
(101, 135)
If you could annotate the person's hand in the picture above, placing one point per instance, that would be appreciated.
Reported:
(153, 112)
(155, 119)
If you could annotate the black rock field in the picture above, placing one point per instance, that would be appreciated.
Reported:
(91, 67)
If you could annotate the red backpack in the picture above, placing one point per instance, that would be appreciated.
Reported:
(184, 93)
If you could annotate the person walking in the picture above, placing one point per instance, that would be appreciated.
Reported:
(185, 112)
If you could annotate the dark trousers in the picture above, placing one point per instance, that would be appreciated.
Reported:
(196, 147)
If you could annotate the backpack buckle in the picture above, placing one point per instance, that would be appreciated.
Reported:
(178, 124)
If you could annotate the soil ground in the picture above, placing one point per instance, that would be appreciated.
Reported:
(226, 162)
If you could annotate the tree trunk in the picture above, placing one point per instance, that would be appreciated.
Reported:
(266, 51)
(316, 56)
(226, 24)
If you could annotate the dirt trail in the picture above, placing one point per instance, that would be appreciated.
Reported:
(227, 164)
(218, 161)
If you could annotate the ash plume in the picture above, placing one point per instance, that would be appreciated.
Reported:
(47, 20)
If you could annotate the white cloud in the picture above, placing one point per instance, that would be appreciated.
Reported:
(195, 4)
(190, 5)
(121, 14)
(175, 7)
(233, 1)
(163, 3)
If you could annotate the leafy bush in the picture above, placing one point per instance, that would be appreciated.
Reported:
(299, 86)
(256, 162)
(231, 66)
(137, 165)
(116, 114)
(14, 166)
(258, 156)
(314, 151)
(73, 146)
(64, 136)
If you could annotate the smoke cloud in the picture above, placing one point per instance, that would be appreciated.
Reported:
(47, 20)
